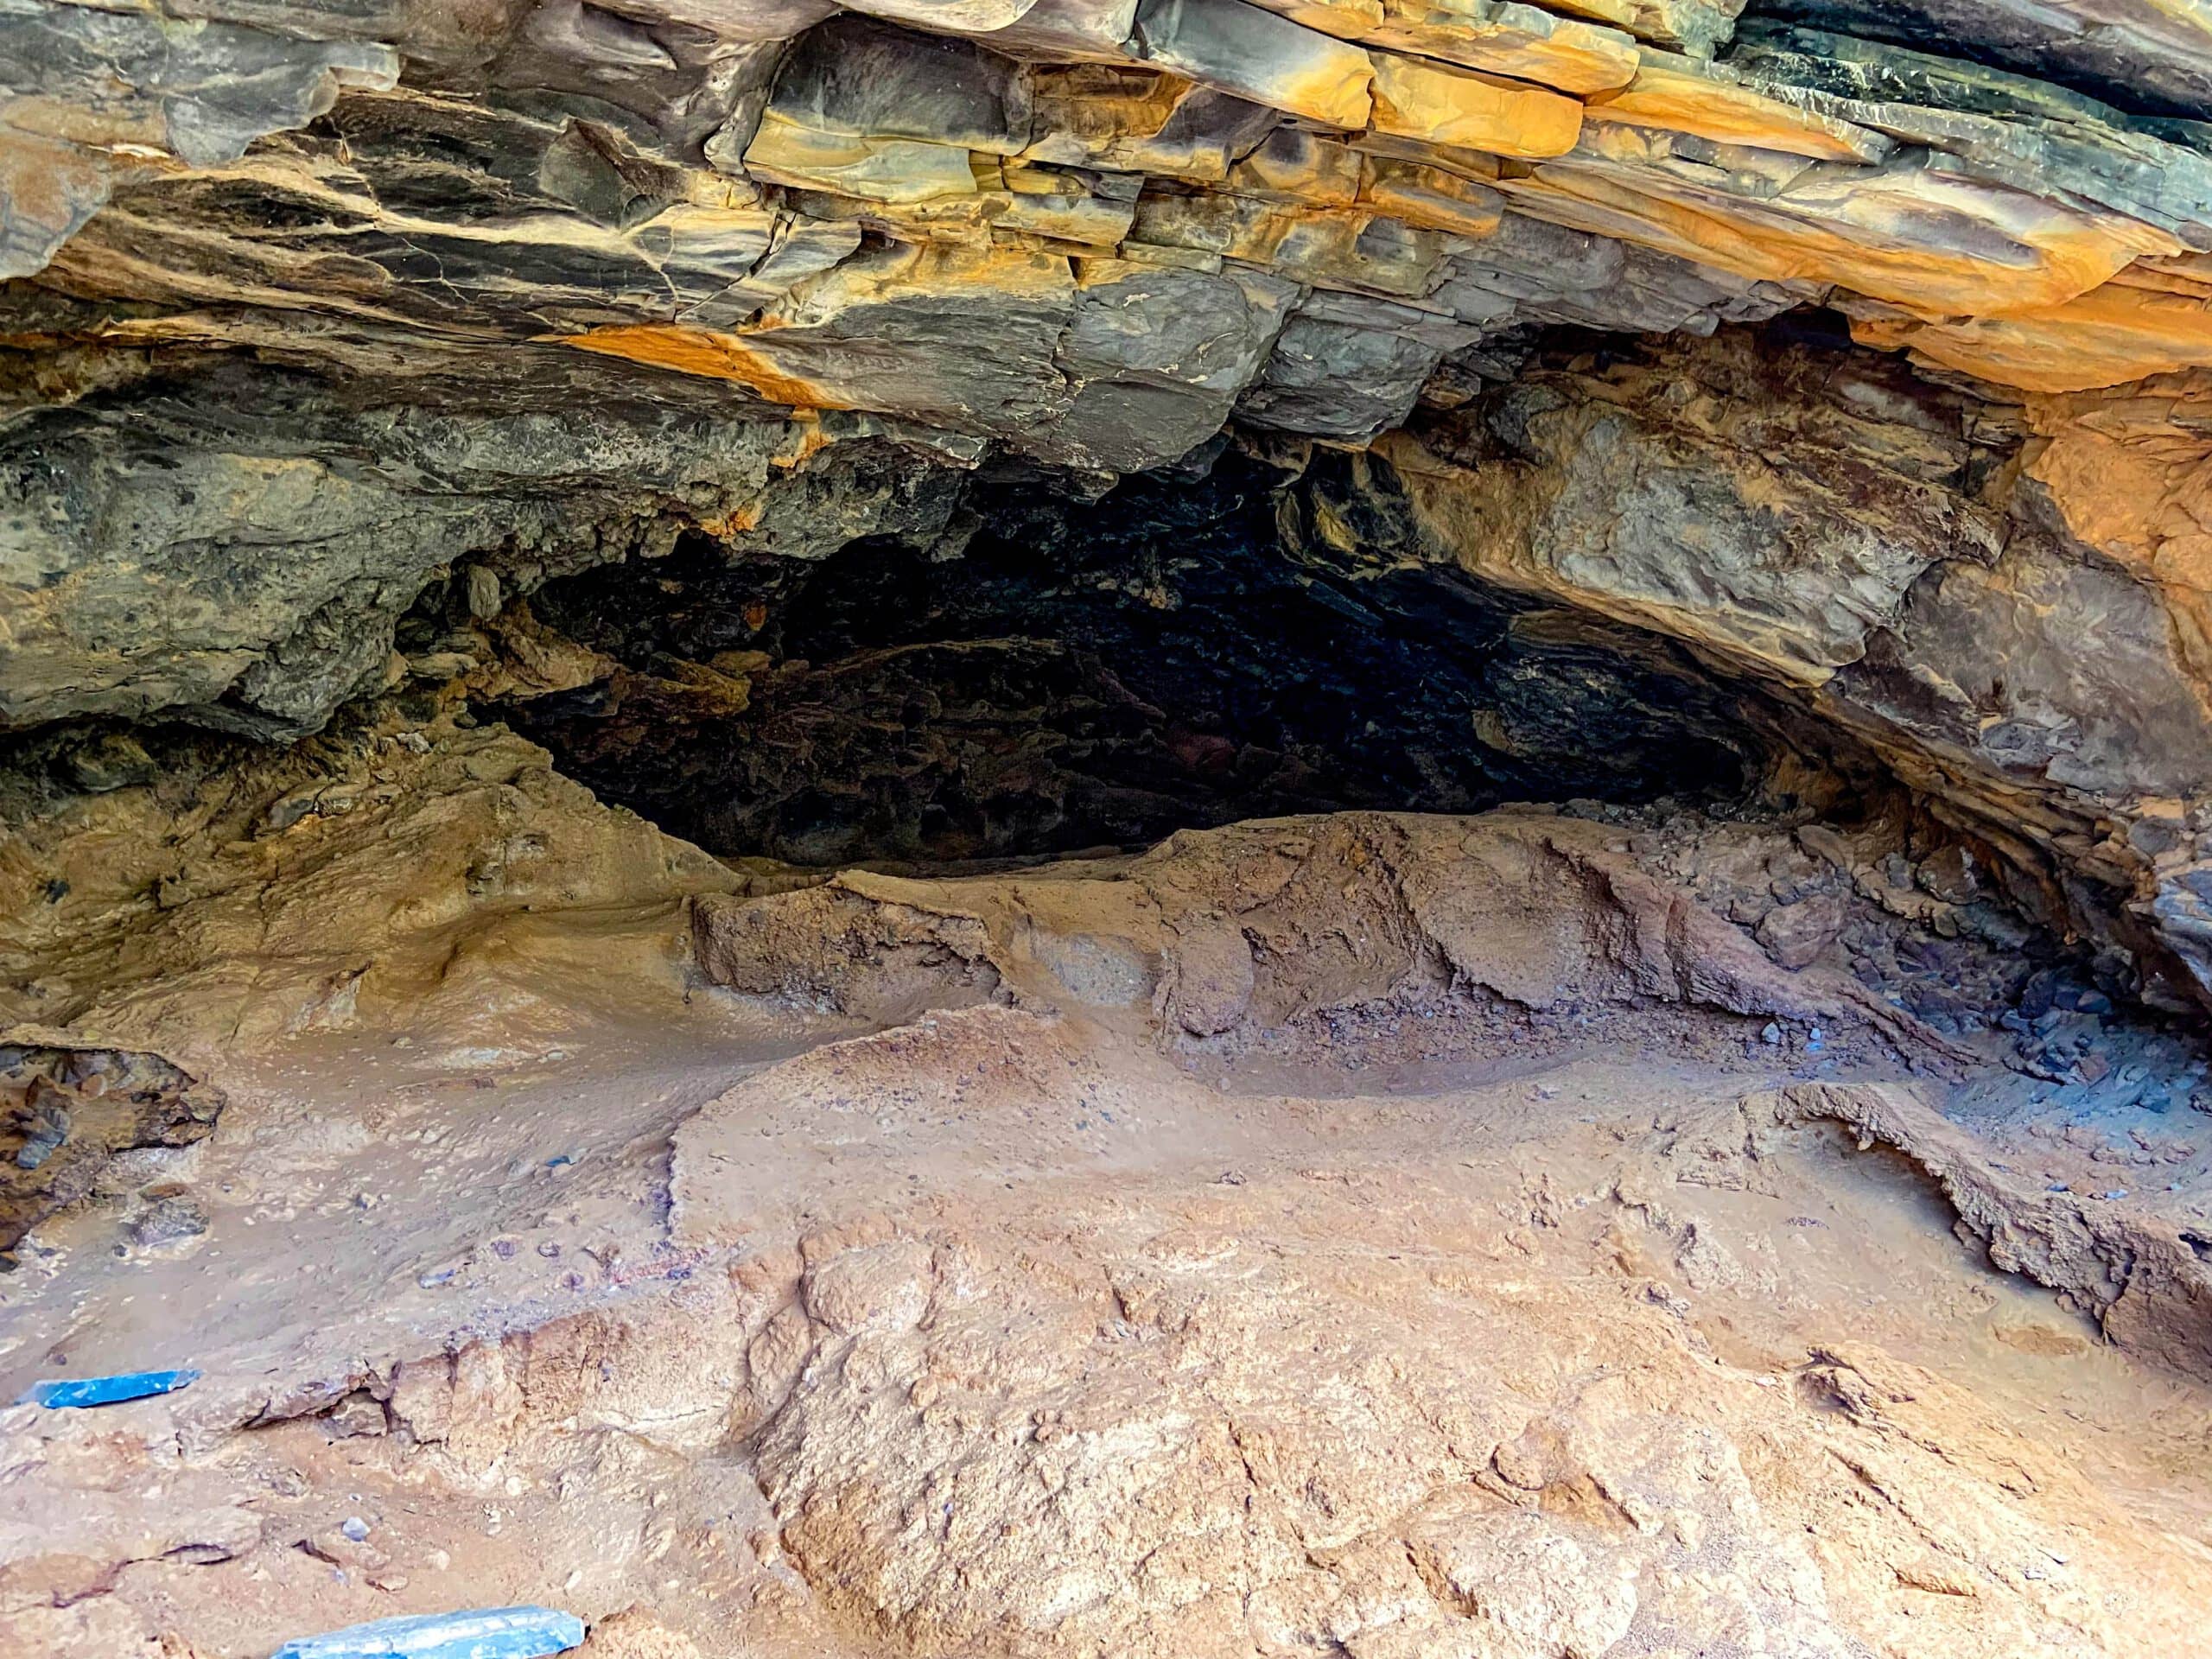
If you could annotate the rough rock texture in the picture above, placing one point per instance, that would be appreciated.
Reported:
(1938, 573)
(240, 893)
(1279, 1419)
(1258, 927)
(1425, 1236)
(69, 1111)
(972, 428)
(316, 308)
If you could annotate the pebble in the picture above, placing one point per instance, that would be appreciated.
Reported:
(355, 1528)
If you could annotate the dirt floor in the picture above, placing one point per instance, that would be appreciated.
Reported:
(1410, 1238)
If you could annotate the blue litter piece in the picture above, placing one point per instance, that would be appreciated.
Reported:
(480, 1633)
(105, 1390)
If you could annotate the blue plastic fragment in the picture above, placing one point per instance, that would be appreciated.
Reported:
(481, 1633)
(105, 1390)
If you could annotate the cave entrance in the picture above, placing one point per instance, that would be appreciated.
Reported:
(1045, 671)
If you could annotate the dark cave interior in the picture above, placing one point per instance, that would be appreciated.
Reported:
(1074, 672)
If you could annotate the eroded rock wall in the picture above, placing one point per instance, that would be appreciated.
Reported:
(1900, 559)
(314, 308)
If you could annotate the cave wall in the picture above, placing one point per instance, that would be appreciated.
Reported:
(1886, 552)
(314, 309)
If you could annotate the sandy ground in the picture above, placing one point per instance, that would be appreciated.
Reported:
(744, 1323)
(377, 1202)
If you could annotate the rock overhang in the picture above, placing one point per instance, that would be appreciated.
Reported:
(315, 305)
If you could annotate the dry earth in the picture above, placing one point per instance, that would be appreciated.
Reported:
(1024, 1271)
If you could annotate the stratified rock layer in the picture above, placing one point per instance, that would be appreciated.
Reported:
(314, 308)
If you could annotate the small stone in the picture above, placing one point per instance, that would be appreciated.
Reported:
(169, 1221)
(111, 763)
(484, 595)
(359, 1414)
(1949, 876)
(1824, 843)
(355, 1528)
(1796, 935)
(1771, 1033)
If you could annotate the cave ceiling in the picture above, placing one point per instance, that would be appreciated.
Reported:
(1857, 351)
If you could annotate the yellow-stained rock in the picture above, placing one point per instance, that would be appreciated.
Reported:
(2131, 472)
(1011, 201)
(1258, 55)
(1907, 233)
(1334, 248)
(1427, 101)
(1431, 197)
(705, 352)
(1124, 119)
(2133, 326)
(1348, 20)
(1683, 96)
(1511, 40)
(1302, 167)
(873, 335)
(1508, 39)
(874, 169)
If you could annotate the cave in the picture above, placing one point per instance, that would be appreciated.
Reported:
(1098, 672)
(1026, 828)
